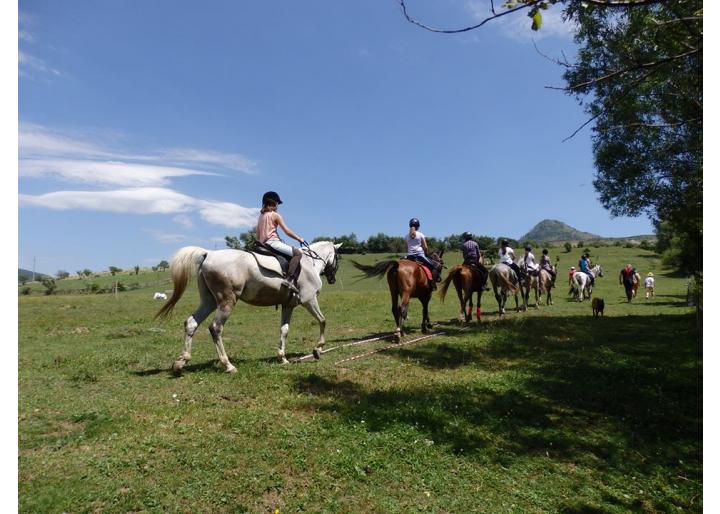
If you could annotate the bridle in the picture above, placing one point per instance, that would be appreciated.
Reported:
(329, 270)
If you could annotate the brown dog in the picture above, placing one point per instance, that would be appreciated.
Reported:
(598, 307)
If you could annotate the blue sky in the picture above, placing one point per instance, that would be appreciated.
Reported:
(147, 126)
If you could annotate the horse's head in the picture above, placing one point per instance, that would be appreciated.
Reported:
(436, 257)
(599, 270)
(327, 251)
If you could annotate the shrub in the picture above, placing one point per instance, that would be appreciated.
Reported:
(568, 247)
(617, 243)
(25, 290)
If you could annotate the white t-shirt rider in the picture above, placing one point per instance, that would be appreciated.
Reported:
(530, 262)
(414, 246)
(649, 282)
(508, 257)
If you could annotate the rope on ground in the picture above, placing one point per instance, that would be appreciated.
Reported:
(354, 343)
(396, 345)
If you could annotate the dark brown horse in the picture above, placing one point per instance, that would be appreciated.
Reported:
(467, 280)
(407, 279)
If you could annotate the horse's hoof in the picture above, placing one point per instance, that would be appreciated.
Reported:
(231, 369)
(283, 360)
(177, 367)
(316, 353)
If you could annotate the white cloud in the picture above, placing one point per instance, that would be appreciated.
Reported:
(110, 173)
(37, 141)
(183, 220)
(147, 200)
(165, 237)
(29, 65)
(517, 25)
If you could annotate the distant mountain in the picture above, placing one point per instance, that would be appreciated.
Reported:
(28, 274)
(554, 230)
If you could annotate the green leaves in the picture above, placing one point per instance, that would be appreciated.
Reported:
(536, 19)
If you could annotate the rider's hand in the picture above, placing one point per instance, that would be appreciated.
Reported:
(302, 241)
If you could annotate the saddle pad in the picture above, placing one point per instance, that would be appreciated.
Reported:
(268, 262)
(427, 271)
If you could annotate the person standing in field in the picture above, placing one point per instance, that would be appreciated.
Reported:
(626, 279)
(650, 286)
(266, 232)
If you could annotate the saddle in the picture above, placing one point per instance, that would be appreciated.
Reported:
(427, 270)
(269, 259)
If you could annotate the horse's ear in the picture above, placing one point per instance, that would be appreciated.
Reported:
(442, 251)
(337, 246)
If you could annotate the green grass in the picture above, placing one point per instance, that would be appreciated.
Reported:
(545, 411)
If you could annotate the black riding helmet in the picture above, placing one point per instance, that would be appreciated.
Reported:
(504, 242)
(528, 248)
(271, 196)
(414, 222)
(467, 236)
(545, 252)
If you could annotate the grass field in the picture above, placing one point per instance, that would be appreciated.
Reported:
(545, 411)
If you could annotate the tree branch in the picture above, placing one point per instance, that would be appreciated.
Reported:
(622, 71)
(623, 3)
(412, 20)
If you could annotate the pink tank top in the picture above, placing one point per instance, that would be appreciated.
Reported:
(266, 227)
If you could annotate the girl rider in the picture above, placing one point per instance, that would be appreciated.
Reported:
(417, 247)
(267, 233)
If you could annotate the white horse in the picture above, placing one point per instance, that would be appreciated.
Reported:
(226, 276)
(581, 283)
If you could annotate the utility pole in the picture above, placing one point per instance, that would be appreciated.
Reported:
(33, 278)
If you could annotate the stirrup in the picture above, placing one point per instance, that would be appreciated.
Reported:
(292, 287)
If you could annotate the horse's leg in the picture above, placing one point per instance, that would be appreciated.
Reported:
(479, 304)
(284, 330)
(216, 329)
(459, 291)
(468, 299)
(207, 304)
(425, 316)
(396, 313)
(404, 303)
(314, 309)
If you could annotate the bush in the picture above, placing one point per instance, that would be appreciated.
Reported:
(629, 245)
(93, 288)
(580, 244)
(26, 290)
(50, 285)
(568, 247)
(617, 243)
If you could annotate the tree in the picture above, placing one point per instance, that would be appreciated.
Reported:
(163, 265)
(62, 274)
(49, 284)
(87, 272)
(568, 247)
(639, 76)
(114, 269)
(246, 241)
(136, 269)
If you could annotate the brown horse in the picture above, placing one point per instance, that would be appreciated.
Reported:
(407, 279)
(467, 280)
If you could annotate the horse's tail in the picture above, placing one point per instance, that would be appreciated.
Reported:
(503, 281)
(185, 262)
(377, 270)
(442, 291)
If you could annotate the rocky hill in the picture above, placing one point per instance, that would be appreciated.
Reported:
(554, 230)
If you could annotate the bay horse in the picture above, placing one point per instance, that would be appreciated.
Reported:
(228, 276)
(467, 280)
(504, 278)
(636, 283)
(407, 279)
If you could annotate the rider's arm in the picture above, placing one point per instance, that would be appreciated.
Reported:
(424, 245)
(287, 230)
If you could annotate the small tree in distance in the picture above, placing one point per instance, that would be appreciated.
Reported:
(61, 274)
(137, 270)
(568, 247)
(114, 269)
(163, 265)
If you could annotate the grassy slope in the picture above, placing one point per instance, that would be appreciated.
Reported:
(548, 411)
